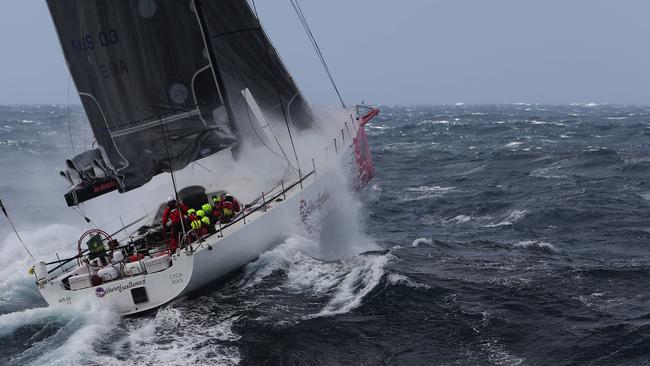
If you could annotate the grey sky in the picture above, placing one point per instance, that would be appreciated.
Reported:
(406, 52)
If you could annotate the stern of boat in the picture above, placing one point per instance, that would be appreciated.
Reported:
(128, 295)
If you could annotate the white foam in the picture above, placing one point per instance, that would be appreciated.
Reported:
(434, 122)
(180, 336)
(512, 217)
(396, 278)
(425, 192)
(498, 354)
(79, 327)
(356, 285)
(419, 241)
(346, 281)
(43, 243)
(462, 219)
(10, 322)
(540, 245)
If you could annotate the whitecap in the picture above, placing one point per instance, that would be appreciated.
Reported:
(514, 144)
(356, 285)
(547, 173)
(396, 278)
(425, 192)
(512, 217)
(498, 354)
(434, 122)
(419, 241)
(461, 219)
(539, 245)
(179, 336)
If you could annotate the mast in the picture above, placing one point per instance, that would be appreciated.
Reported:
(218, 78)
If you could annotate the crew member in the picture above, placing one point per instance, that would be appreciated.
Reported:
(175, 213)
(207, 208)
(194, 219)
(228, 208)
(216, 203)
(206, 224)
(235, 203)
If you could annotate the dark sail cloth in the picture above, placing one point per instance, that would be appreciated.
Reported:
(155, 82)
(145, 83)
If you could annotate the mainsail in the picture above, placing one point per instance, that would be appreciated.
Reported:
(160, 90)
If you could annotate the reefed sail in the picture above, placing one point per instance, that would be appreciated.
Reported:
(162, 82)
(145, 82)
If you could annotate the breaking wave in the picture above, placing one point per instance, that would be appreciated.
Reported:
(338, 286)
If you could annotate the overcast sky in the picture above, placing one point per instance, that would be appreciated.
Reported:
(406, 51)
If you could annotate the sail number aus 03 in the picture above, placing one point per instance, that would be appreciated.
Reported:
(89, 42)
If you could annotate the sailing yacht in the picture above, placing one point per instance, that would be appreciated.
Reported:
(168, 84)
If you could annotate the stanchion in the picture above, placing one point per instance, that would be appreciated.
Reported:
(264, 201)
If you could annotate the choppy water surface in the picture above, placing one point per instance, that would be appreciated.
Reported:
(492, 235)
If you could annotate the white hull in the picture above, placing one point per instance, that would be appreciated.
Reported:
(243, 243)
(212, 259)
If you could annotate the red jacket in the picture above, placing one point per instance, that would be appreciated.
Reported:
(173, 214)
(233, 206)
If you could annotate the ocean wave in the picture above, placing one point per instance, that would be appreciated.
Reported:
(356, 284)
(513, 216)
(537, 245)
(498, 354)
(425, 192)
(549, 172)
(344, 283)
(180, 335)
(464, 219)
(400, 279)
(419, 241)
(434, 122)
(14, 261)
(76, 330)
(513, 144)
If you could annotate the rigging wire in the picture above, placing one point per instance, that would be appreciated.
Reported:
(255, 9)
(4, 210)
(319, 53)
(269, 49)
(69, 122)
(238, 74)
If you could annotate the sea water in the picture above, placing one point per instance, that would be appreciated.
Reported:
(491, 235)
